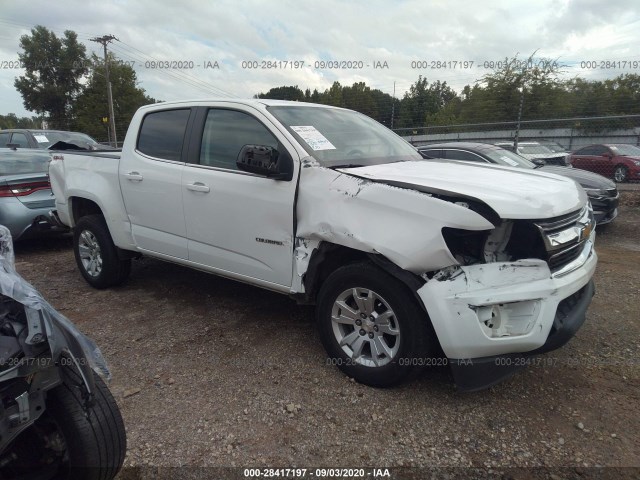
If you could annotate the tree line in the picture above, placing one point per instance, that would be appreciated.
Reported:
(531, 92)
(67, 88)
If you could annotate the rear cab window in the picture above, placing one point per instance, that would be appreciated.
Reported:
(162, 134)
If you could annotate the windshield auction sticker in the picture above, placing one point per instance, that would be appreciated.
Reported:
(313, 137)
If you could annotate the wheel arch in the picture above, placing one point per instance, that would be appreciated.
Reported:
(328, 257)
(81, 207)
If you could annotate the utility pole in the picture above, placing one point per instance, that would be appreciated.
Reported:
(104, 40)
(515, 140)
(393, 104)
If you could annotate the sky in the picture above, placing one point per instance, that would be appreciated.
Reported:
(240, 48)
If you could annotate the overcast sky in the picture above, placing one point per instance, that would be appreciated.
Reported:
(367, 33)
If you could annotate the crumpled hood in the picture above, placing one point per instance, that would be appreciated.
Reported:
(510, 192)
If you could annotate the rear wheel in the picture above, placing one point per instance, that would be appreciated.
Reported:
(621, 174)
(371, 326)
(96, 254)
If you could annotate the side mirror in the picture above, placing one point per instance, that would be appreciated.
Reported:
(265, 160)
(539, 162)
(13, 146)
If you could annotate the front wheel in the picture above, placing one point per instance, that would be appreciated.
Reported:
(96, 254)
(620, 174)
(371, 326)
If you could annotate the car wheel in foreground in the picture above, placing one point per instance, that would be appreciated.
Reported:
(71, 441)
(371, 326)
(96, 255)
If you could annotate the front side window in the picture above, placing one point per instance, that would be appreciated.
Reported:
(4, 139)
(162, 134)
(226, 132)
(587, 151)
(600, 150)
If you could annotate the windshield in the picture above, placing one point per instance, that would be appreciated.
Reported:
(337, 137)
(505, 157)
(625, 149)
(529, 149)
(46, 139)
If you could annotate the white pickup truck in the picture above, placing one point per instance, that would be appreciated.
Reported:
(411, 263)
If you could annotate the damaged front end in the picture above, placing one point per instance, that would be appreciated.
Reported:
(520, 289)
(34, 341)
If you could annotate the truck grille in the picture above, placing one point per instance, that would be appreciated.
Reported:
(564, 237)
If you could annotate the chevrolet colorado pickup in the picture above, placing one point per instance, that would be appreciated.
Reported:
(410, 263)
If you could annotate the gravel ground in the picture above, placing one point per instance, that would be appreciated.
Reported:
(209, 372)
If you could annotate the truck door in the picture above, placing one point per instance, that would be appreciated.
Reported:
(238, 222)
(151, 182)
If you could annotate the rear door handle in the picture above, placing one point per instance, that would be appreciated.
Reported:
(133, 176)
(198, 187)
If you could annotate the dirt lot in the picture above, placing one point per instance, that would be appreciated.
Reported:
(209, 372)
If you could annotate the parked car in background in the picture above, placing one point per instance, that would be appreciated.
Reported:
(555, 147)
(536, 151)
(619, 161)
(43, 139)
(602, 192)
(25, 192)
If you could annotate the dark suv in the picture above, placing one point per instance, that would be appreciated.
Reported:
(602, 192)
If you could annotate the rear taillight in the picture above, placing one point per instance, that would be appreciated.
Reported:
(21, 189)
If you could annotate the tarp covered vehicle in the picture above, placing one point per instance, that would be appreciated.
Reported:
(57, 416)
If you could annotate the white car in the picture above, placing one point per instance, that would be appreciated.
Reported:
(536, 151)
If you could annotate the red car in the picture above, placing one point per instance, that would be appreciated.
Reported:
(619, 161)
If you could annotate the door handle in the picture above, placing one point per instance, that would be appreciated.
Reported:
(198, 187)
(133, 176)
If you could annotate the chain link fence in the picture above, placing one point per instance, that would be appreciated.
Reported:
(608, 145)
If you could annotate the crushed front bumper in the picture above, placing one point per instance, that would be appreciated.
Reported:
(485, 312)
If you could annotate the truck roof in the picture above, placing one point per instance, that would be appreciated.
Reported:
(255, 102)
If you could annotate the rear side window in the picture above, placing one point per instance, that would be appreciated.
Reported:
(20, 139)
(462, 155)
(432, 153)
(162, 134)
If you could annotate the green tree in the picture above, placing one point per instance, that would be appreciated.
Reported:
(284, 93)
(11, 120)
(497, 96)
(91, 106)
(423, 101)
(54, 69)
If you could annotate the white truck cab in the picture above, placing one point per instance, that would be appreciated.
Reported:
(410, 263)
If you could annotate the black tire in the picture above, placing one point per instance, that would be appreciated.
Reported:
(69, 441)
(415, 340)
(96, 443)
(113, 270)
(621, 174)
